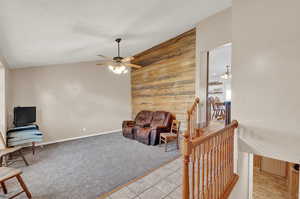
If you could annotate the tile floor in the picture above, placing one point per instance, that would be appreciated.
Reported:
(164, 182)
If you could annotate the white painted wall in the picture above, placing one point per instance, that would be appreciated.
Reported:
(244, 186)
(211, 33)
(265, 84)
(72, 100)
(265, 81)
(4, 100)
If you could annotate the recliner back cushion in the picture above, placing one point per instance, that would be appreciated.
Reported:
(160, 118)
(143, 117)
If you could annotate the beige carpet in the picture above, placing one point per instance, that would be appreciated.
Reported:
(89, 167)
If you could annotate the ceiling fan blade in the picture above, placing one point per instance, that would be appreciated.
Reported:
(105, 57)
(133, 65)
(105, 63)
(127, 59)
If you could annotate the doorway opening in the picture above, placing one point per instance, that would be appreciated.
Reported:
(275, 179)
(219, 84)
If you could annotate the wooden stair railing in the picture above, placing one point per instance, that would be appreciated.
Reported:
(192, 128)
(208, 160)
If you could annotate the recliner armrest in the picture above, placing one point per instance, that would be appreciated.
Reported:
(128, 123)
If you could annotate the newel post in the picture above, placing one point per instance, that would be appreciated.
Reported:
(186, 151)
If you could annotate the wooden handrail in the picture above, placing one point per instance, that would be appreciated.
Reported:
(195, 104)
(208, 162)
(192, 119)
(200, 140)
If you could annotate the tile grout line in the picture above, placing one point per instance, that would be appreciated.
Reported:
(157, 183)
(108, 194)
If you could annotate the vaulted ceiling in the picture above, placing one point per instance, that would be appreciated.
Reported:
(43, 32)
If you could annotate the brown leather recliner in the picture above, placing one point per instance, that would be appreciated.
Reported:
(161, 122)
(142, 119)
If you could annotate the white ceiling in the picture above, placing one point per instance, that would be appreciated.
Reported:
(44, 32)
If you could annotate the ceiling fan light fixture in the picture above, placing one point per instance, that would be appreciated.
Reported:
(118, 64)
(118, 69)
(227, 75)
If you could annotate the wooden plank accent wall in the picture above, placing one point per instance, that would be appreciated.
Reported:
(167, 80)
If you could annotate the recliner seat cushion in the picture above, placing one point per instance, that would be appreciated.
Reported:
(143, 135)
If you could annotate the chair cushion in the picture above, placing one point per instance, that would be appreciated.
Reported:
(144, 133)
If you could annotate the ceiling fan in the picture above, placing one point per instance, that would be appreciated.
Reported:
(118, 64)
(227, 75)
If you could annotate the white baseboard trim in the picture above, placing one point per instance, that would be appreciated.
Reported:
(76, 138)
